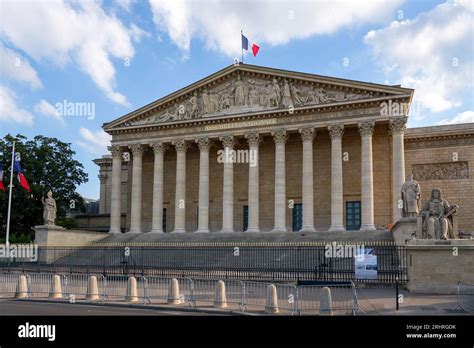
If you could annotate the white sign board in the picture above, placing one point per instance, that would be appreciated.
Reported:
(365, 262)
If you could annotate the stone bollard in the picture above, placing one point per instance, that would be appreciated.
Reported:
(173, 292)
(325, 303)
(92, 289)
(21, 287)
(56, 289)
(220, 299)
(132, 291)
(271, 306)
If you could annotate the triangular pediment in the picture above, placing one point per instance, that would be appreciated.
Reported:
(247, 89)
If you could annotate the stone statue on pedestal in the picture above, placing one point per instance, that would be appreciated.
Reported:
(411, 192)
(438, 215)
(49, 209)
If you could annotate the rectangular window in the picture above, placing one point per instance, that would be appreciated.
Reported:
(245, 224)
(353, 215)
(164, 220)
(297, 216)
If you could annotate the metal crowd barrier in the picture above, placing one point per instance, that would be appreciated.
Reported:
(465, 296)
(244, 295)
(8, 283)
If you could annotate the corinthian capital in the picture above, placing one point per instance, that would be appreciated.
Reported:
(398, 124)
(228, 141)
(366, 128)
(336, 130)
(279, 136)
(307, 134)
(116, 151)
(137, 149)
(180, 145)
(159, 147)
(253, 138)
(204, 144)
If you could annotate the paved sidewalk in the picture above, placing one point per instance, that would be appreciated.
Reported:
(381, 301)
(372, 301)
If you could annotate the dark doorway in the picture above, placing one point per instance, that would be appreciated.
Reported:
(353, 215)
(297, 216)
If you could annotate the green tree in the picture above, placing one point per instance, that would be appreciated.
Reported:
(47, 164)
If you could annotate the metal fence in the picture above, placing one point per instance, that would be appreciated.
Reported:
(465, 296)
(240, 295)
(258, 261)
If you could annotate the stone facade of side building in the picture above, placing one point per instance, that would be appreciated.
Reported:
(324, 143)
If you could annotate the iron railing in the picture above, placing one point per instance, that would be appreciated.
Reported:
(247, 261)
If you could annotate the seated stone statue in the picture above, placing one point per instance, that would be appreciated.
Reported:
(438, 216)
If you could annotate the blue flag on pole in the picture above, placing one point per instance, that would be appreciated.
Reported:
(245, 43)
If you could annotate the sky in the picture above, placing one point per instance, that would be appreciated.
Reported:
(67, 67)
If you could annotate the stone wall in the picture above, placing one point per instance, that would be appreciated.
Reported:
(438, 266)
(438, 154)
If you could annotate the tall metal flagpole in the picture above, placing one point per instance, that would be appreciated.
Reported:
(7, 242)
(241, 47)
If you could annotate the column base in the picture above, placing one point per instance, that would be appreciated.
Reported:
(156, 231)
(179, 230)
(367, 228)
(202, 230)
(227, 230)
(280, 229)
(115, 230)
(308, 229)
(337, 228)
(134, 231)
(252, 230)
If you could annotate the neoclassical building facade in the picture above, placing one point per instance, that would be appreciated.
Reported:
(258, 149)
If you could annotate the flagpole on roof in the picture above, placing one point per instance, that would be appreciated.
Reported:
(241, 47)
(7, 242)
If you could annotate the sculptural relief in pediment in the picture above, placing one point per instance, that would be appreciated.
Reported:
(249, 94)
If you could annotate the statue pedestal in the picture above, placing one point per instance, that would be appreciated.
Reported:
(55, 241)
(436, 266)
(404, 230)
(44, 233)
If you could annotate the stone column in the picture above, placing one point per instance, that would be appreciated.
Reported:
(203, 218)
(115, 212)
(279, 137)
(337, 202)
(159, 149)
(397, 128)
(366, 130)
(228, 186)
(180, 193)
(136, 204)
(103, 192)
(307, 135)
(253, 200)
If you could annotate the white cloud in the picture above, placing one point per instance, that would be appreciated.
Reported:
(10, 112)
(431, 53)
(137, 33)
(125, 4)
(62, 32)
(462, 117)
(15, 67)
(218, 23)
(94, 142)
(46, 109)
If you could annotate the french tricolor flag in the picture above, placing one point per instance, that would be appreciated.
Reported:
(2, 187)
(245, 45)
(21, 176)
